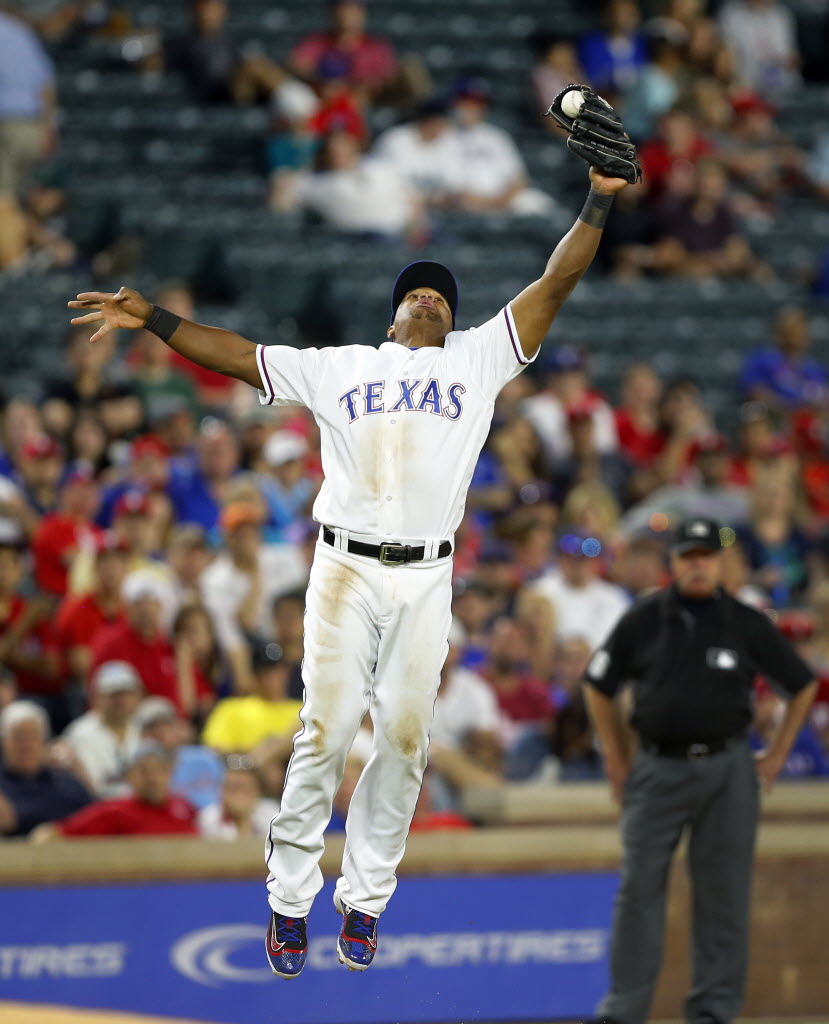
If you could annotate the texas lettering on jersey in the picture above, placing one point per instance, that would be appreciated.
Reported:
(376, 396)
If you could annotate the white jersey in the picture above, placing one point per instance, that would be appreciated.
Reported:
(401, 429)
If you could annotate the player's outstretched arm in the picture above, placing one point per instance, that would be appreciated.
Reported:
(537, 306)
(211, 347)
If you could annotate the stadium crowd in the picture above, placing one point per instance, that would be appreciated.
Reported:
(155, 520)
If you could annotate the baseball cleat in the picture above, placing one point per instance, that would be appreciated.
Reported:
(357, 941)
(286, 945)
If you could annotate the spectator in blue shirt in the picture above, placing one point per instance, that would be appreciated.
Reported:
(27, 103)
(31, 790)
(614, 58)
(784, 377)
(196, 486)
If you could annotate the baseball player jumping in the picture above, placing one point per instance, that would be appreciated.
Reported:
(401, 428)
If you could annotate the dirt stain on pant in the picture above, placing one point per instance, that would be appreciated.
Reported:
(407, 735)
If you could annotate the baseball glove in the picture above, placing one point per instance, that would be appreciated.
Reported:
(597, 135)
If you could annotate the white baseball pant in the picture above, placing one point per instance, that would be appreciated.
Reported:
(373, 633)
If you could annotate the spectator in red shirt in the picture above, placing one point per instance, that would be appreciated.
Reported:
(60, 536)
(677, 143)
(80, 619)
(152, 810)
(40, 467)
(140, 639)
(372, 65)
(637, 417)
(28, 646)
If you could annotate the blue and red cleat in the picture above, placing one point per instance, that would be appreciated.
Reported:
(357, 941)
(286, 945)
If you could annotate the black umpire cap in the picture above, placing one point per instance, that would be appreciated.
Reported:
(698, 534)
(426, 274)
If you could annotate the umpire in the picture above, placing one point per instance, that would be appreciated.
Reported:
(691, 652)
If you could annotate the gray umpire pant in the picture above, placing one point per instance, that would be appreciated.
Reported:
(717, 799)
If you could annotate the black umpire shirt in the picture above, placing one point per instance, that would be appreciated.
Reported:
(692, 664)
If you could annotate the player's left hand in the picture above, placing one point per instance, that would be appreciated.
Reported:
(601, 182)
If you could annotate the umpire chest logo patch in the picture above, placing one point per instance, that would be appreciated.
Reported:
(599, 664)
(722, 658)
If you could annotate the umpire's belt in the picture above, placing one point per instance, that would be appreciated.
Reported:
(685, 751)
(387, 553)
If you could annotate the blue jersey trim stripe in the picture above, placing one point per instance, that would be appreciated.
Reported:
(263, 373)
(519, 355)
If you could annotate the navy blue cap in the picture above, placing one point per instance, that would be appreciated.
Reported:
(426, 274)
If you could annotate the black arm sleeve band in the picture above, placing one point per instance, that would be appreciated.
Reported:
(163, 323)
(596, 209)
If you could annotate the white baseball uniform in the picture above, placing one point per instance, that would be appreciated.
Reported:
(401, 430)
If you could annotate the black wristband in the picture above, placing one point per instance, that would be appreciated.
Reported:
(596, 208)
(162, 323)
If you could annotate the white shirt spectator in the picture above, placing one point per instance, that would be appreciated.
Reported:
(103, 755)
(590, 611)
(213, 825)
(224, 589)
(762, 35)
(371, 197)
(465, 705)
(549, 417)
(433, 167)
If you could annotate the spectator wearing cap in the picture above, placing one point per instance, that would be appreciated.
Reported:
(67, 533)
(292, 141)
(39, 470)
(197, 486)
(243, 811)
(105, 737)
(28, 645)
(31, 790)
(239, 587)
(147, 471)
(583, 604)
(140, 520)
(239, 724)
(27, 103)
(691, 653)
(706, 491)
(785, 377)
(586, 466)
(152, 809)
(494, 176)
(568, 387)
(425, 151)
(141, 640)
(370, 63)
(198, 771)
(285, 486)
(81, 617)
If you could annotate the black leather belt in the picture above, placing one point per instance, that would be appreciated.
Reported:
(388, 554)
(685, 751)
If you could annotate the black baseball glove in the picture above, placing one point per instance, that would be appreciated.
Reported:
(597, 135)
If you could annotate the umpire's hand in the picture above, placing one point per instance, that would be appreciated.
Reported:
(126, 309)
(768, 765)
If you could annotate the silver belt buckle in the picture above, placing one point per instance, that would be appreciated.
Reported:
(388, 552)
(698, 750)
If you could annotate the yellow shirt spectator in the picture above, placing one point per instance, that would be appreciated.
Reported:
(238, 724)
